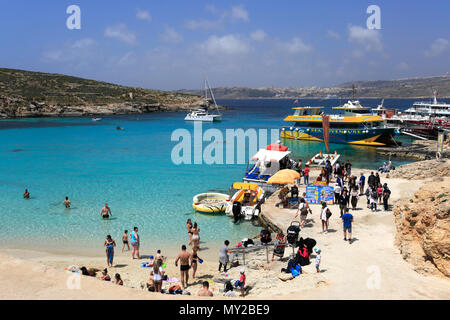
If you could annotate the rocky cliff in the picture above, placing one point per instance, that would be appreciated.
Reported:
(423, 224)
(35, 94)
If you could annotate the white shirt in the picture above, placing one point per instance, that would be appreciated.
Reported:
(323, 216)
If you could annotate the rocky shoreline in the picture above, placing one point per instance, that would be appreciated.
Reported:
(17, 108)
(418, 150)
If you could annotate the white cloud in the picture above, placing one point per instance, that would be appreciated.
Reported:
(333, 34)
(203, 24)
(83, 43)
(228, 44)
(437, 47)
(143, 15)
(258, 35)
(171, 35)
(369, 39)
(296, 45)
(239, 13)
(120, 32)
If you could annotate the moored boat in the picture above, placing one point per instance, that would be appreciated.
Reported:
(249, 196)
(356, 125)
(210, 202)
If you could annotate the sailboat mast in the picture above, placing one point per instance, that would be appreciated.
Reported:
(212, 94)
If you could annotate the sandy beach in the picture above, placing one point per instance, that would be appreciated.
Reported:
(369, 268)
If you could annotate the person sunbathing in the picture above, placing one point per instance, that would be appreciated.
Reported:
(105, 276)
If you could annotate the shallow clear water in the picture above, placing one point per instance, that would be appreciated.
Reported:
(131, 170)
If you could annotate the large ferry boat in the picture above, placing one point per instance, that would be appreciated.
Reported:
(423, 118)
(356, 125)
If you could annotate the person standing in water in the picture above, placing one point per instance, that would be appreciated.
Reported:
(26, 194)
(134, 239)
(106, 212)
(109, 244)
(67, 203)
(184, 258)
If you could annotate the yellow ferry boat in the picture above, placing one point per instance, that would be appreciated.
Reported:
(355, 126)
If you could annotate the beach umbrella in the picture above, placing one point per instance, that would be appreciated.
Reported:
(285, 176)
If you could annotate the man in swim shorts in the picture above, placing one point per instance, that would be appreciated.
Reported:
(184, 258)
(106, 212)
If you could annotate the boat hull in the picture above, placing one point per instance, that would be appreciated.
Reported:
(367, 137)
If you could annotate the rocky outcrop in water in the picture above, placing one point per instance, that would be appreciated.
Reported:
(418, 150)
(11, 107)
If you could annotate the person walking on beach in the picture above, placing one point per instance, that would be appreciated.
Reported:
(184, 258)
(306, 175)
(67, 203)
(347, 219)
(373, 199)
(362, 182)
(26, 194)
(371, 181)
(106, 212)
(194, 261)
(204, 291)
(386, 195)
(380, 193)
(343, 201)
(223, 256)
(109, 244)
(337, 193)
(324, 217)
(134, 239)
(303, 209)
(125, 240)
(354, 197)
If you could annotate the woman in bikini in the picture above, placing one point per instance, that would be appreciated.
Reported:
(194, 261)
(195, 236)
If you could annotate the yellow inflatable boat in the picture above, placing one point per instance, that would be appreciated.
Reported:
(210, 202)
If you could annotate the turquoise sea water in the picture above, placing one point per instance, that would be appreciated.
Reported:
(131, 170)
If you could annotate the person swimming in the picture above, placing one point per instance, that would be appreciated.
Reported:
(26, 194)
(67, 203)
(106, 212)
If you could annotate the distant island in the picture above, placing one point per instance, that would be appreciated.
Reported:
(36, 94)
(400, 88)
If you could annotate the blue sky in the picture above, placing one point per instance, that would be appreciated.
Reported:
(169, 45)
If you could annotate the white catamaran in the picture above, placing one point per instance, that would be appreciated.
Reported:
(202, 114)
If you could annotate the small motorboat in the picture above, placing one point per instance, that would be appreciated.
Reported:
(96, 119)
(210, 202)
(250, 196)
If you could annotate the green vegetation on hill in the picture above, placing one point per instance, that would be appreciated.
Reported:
(57, 89)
